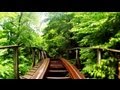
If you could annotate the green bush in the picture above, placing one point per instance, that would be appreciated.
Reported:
(106, 69)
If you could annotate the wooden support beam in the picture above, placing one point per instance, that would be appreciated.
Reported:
(33, 56)
(76, 54)
(77, 59)
(42, 54)
(39, 56)
(98, 56)
(16, 63)
(45, 54)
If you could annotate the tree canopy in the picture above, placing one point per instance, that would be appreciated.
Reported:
(63, 30)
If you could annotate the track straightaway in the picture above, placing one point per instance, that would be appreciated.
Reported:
(54, 69)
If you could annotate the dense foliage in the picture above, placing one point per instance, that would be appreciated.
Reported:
(64, 30)
(17, 29)
(85, 29)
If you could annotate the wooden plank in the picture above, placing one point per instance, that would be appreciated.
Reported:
(56, 66)
(36, 66)
(30, 73)
(57, 71)
(34, 69)
(16, 62)
(58, 77)
(55, 62)
(26, 77)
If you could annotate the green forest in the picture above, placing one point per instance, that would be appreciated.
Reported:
(55, 32)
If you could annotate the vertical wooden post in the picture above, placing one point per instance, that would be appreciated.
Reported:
(39, 57)
(33, 56)
(45, 54)
(42, 54)
(16, 63)
(98, 56)
(77, 59)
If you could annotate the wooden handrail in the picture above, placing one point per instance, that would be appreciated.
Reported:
(112, 50)
(15, 57)
(73, 71)
(10, 46)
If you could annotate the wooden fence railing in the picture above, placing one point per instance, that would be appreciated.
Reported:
(99, 55)
(41, 55)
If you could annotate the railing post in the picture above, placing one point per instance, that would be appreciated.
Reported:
(98, 56)
(77, 59)
(42, 54)
(16, 63)
(39, 57)
(33, 56)
(45, 54)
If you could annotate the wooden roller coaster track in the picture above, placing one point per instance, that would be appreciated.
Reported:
(48, 68)
(54, 69)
